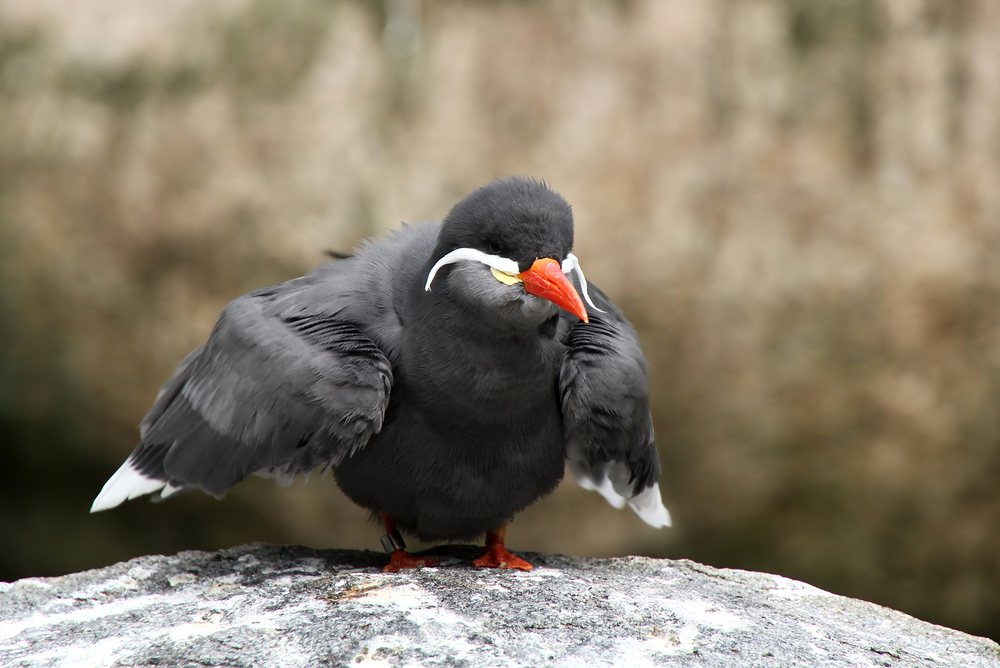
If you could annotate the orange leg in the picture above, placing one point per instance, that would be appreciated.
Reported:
(399, 558)
(495, 554)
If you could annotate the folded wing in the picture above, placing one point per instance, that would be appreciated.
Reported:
(604, 384)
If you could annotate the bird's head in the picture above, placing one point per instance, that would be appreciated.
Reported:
(507, 249)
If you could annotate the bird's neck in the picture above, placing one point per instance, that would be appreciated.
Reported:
(454, 355)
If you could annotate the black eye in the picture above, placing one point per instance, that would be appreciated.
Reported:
(494, 248)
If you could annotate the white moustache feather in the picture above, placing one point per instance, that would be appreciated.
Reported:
(507, 266)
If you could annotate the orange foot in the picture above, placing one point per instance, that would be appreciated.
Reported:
(495, 555)
(400, 560)
(501, 559)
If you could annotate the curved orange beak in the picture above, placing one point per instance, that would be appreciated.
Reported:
(546, 279)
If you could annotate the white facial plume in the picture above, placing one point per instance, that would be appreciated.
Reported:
(506, 266)
(571, 263)
(499, 263)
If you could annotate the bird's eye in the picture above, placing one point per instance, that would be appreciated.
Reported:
(494, 248)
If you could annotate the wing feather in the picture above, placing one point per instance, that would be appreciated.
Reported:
(276, 389)
(604, 386)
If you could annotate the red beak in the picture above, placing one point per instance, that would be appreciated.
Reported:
(546, 279)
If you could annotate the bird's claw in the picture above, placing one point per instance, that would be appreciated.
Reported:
(497, 556)
(401, 560)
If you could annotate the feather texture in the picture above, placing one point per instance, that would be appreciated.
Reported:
(604, 390)
(451, 410)
(269, 392)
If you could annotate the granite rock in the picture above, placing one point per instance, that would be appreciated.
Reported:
(263, 605)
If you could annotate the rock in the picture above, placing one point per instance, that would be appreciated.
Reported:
(262, 605)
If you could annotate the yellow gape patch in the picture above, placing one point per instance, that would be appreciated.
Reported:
(506, 279)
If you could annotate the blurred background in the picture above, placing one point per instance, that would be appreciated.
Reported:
(796, 202)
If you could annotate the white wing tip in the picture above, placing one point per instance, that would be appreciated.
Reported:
(607, 490)
(126, 483)
(596, 482)
(648, 505)
(170, 490)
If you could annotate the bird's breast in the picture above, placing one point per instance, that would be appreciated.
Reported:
(473, 434)
(492, 381)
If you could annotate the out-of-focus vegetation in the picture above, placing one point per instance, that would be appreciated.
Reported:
(797, 203)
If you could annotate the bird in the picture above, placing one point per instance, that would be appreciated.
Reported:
(448, 374)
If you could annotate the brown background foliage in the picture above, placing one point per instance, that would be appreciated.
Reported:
(797, 203)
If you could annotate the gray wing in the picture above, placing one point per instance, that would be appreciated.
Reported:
(604, 386)
(279, 387)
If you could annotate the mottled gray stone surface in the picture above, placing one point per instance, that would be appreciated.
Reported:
(262, 605)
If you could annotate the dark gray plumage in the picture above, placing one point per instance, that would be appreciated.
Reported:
(426, 371)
